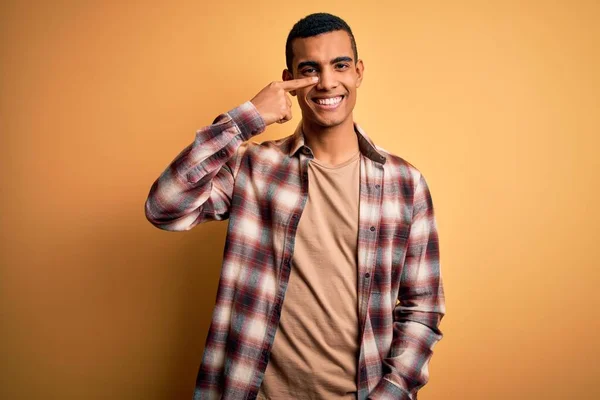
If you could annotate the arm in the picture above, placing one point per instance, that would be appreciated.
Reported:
(419, 309)
(197, 185)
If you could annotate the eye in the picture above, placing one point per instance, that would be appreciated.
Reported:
(308, 71)
(342, 66)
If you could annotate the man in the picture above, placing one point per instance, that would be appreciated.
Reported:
(341, 229)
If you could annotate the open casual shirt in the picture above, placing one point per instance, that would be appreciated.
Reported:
(262, 189)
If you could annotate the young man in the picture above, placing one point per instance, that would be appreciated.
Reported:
(341, 229)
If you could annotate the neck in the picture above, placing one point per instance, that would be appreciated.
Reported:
(331, 145)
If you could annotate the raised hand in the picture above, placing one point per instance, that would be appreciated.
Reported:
(274, 104)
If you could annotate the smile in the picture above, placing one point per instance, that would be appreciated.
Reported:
(328, 103)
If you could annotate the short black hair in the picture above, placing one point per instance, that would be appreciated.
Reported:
(313, 25)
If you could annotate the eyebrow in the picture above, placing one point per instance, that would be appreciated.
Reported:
(316, 64)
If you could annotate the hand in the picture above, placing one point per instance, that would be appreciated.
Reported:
(273, 102)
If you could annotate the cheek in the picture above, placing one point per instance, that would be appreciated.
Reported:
(302, 99)
(351, 92)
(302, 95)
(354, 81)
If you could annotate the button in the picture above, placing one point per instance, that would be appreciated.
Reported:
(372, 229)
(377, 186)
(306, 150)
(222, 153)
(367, 275)
(287, 262)
(295, 216)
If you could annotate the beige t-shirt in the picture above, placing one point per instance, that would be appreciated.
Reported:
(314, 355)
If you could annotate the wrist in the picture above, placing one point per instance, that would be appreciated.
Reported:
(248, 120)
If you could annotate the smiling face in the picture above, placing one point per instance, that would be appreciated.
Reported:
(329, 56)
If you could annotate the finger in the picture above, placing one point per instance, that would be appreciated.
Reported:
(298, 83)
(286, 117)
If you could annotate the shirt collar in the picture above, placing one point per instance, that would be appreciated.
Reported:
(365, 144)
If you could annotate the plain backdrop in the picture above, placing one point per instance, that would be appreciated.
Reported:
(496, 102)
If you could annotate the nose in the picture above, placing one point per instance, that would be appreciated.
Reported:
(327, 80)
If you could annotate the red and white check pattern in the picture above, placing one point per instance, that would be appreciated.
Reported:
(262, 189)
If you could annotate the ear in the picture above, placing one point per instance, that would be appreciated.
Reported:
(286, 75)
(360, 68)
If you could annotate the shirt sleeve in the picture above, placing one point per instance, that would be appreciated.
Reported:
(197, 185)
(419, 309)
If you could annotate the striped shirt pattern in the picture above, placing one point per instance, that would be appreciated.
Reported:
(262, 189)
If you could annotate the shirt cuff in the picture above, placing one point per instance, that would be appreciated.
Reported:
(248, 120)
(387, 390)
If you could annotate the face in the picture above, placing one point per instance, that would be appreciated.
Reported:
(330, 57)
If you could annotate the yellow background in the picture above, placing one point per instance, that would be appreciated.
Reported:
(496, 102)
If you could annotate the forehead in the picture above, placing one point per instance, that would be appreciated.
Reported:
(322, 48)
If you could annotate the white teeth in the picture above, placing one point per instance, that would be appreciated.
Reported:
(330, 101)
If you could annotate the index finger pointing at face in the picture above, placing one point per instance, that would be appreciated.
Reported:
(298, 83)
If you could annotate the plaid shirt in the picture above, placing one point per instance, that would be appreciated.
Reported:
(262, 189)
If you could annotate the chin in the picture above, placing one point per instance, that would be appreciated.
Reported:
(326, 122)
(331, 122)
